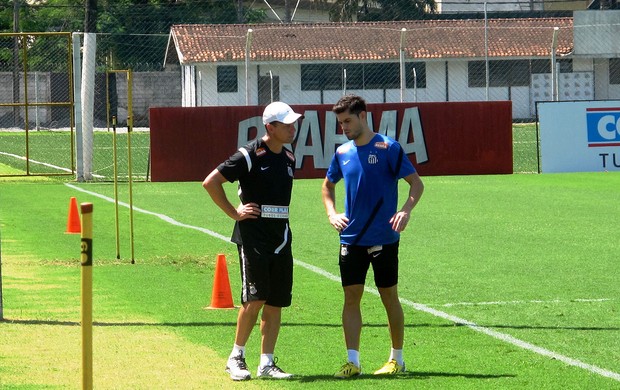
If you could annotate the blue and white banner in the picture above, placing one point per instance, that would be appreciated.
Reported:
(581, 136)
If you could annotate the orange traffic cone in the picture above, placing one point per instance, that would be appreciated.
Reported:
(221, 296)
(73, 221)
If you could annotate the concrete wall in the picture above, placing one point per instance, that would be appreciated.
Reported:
(150, 89)
(597, 33)
(39, 91)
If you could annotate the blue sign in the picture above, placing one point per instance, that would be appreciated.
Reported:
(603, 126)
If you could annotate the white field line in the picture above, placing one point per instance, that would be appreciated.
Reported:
(420, 307)
(499, 303)
(160, 216)
(40, 163)
(35, 162)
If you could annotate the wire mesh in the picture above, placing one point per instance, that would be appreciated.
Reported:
(187, 56)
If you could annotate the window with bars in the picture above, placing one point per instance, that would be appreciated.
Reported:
(386, 75)
(227, 78)
(420, 74)
(614, 71)
(511, 73)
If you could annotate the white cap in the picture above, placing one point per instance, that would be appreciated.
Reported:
(280, 112)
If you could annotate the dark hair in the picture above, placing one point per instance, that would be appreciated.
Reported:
(355, 104)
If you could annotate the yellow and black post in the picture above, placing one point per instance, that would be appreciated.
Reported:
(87, 295)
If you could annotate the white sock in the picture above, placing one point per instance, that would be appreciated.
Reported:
(266, 359)
(237, 349)
(397, 354)
(354, 356)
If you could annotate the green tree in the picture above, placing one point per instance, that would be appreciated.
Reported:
(366, 10)
(6, 15)
(138, 29)
(134, 33)
(6, 44)
(52, 16)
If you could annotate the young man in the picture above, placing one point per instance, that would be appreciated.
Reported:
(371, 165)
(265, 170)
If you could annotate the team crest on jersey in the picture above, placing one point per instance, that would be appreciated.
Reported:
(373, 159)
(290, 155)
(260, 152)
(381, 145)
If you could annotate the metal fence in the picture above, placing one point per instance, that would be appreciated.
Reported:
(434, 61)
(521, 60)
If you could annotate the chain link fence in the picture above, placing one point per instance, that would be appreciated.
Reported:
(522, 60)
(36, 96)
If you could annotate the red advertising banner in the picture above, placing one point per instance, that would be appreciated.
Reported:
(452, 138)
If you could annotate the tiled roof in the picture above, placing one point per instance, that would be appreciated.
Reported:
(424, 39)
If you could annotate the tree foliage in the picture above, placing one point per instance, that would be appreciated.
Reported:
(133, 33)
(367, 10)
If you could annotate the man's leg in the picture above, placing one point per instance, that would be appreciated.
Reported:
(353, 262)
(270, 328)
(352, 327)
(396, 324)
(396, 318)
(352, 315)
(246, 320)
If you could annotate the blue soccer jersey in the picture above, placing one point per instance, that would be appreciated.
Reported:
(371, 173)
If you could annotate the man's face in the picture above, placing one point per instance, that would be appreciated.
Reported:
(282, 132)
(351, 124)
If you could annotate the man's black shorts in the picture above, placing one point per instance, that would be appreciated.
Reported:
(266, 276)
(355, 260)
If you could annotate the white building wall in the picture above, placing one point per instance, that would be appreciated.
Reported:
(601, 77)
(583, 65)
(311, 97)
(520, 97)
(602, 89)
(452, 6)
(457, 83)
(435, 91)
(189, 90)
(289, 79)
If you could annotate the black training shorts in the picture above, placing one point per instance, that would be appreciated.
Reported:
(266, 276)
(354, 261)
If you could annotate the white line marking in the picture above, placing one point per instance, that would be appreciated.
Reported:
(41, 163)
(35, 162)
(499, 303)
(420, 307)
(160, 216)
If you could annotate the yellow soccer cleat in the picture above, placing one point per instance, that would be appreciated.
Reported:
(391, 368)
(348, 370)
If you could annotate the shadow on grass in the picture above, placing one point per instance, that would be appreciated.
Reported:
(294, 324)
(128, 323)
(410, 375)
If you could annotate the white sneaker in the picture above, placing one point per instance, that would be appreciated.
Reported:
(237, 368)
(272, 371)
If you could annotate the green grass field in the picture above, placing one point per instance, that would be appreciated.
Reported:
(50, 154)
(507, 281)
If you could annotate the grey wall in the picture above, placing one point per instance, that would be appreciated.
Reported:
(150, 89)
(597, 33)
